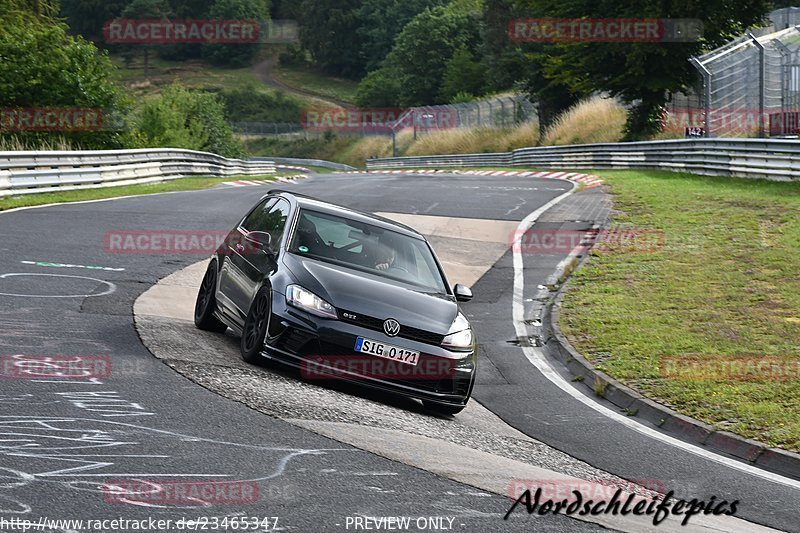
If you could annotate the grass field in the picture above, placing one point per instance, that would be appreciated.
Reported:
(191, 73)
(308, 79)
(183, 184)
(723, 289)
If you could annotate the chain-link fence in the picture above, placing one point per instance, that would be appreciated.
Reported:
(496, 112)
(747, 88)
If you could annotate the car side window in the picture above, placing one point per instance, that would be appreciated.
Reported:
(251, 222)
(271, 218)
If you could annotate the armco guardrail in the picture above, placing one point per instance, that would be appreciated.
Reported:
(774, 159)
(305, 162)
(37, 172)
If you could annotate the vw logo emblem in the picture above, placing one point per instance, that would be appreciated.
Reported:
(391, 327)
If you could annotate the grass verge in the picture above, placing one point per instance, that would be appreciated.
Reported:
(182, 184)
(687, 323)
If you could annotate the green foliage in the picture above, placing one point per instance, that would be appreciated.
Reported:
(462, 75)
(255, 104)
(236, 54)
(180, 118)
(293, 56)
(380, 88)
(329, 30)
(461, 98)
(423, 49)
(379, 23)
(87, 17)
(637, 72)
(45, 67)
(184, 10)
(505, 63)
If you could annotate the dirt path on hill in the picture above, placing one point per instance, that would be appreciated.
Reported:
(265, 73)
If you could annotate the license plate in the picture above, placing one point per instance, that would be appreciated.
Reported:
(387, 351)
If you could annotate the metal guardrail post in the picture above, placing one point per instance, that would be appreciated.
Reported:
(706, 92)
(762, 76)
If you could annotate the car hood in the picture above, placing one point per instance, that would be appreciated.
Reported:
(367, 294)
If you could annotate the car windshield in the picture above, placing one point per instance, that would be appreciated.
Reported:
(367, 248)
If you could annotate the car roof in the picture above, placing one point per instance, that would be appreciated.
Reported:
(304, 201)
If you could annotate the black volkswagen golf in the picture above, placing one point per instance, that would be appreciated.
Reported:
(341, 294)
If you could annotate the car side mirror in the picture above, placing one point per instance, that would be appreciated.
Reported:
(463, 293)
(259, 240)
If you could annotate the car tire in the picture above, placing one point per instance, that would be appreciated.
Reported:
(442, 408)
(255, 326)
(206, 303)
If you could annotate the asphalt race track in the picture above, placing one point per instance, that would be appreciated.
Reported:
(177, 408)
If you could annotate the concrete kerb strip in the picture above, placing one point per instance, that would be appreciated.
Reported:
(636, 405)
(172, 299)
(586, 181)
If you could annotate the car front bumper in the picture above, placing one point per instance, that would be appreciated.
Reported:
(325, 349)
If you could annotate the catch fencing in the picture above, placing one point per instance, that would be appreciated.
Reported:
(749, 87)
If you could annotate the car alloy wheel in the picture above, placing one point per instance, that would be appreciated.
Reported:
(255, 327)
(206, 303)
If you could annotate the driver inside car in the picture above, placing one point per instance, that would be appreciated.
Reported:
(386, 258)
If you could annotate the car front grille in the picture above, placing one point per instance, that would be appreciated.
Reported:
(406, 332)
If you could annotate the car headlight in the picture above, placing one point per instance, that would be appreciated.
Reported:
(460, 337)
(308, 301)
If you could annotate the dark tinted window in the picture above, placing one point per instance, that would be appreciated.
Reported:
(368, 248)
(271, 218)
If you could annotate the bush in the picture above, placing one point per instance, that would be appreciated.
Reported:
(380, 88)
(180, 118)
(293, 56)
(256, 104)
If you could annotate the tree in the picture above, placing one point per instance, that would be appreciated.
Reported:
(380, 88)
(87, 17)
(329, 30)
(424, 47)
(234, 54)
(185, 10)
(146, 10)
(639, 73)
(462, 75)
(379, 22)
(44, 67)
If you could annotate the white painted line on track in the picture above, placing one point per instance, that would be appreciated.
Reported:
(537, 359)
(110, 290)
